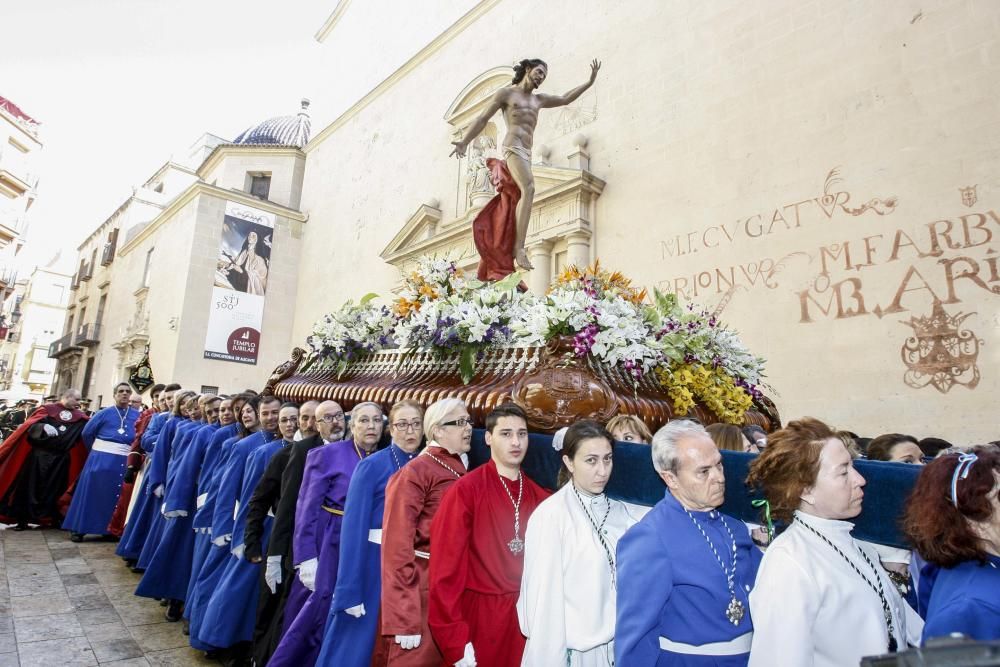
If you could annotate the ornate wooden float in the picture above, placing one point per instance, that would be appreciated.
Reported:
(554, 387)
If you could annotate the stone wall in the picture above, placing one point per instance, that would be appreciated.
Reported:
(821, 173)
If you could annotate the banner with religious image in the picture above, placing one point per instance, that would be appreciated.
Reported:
(237, 309)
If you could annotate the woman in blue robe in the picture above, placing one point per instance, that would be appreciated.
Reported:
(206, 579)
(229, 615)
(108, 435)
(143, 522)
(177, 444)
(953, 520)
(169, 571)
(352, 625)
(228, 428)
(137, 523)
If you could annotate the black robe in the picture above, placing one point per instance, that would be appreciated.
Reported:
(38, 469)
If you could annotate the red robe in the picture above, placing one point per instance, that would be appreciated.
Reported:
(16, 448)
(412, 498)
(475, 578)
(135, 458)
(495, 228)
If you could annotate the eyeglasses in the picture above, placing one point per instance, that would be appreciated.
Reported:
(339, 417)
(288, 420)
(407, 426)
(461, 423)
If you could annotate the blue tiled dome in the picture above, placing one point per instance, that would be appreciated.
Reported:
(280, 131)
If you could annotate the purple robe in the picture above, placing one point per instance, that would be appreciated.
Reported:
(318, 519)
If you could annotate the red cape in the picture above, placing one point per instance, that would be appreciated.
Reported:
(15, 450)
(495, 228)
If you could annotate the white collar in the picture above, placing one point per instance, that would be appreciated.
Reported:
(834, 529)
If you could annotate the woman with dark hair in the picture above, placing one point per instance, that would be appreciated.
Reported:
(821, 597)
(567, 603)
(205, 580)
(895, 448)
(252, 262)
(953, 520)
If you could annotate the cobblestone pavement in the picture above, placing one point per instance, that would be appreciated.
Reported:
(65, 604)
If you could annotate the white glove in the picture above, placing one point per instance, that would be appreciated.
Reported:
(158, 491)
(50, 430)
(470, 657)
(272, 573)
(307, 573)
(222, 540)
(356, 612)
(408, 641)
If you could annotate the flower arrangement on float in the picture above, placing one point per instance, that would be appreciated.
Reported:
(687, 351)
(353, 331)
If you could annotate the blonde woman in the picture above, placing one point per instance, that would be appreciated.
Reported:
(412, 498)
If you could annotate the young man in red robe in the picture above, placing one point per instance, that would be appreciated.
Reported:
(477, 537)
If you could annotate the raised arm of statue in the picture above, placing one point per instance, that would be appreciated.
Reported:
(495, 105)
(548, 101)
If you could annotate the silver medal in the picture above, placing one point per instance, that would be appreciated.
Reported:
(516, 546)
(121, 431)
(735, 611)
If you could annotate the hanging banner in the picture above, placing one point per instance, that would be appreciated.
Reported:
(142, 375)
(237, 309)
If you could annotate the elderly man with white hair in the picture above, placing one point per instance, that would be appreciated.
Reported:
(685, 571)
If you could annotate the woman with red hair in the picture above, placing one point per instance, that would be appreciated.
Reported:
(953, 519)
(821, 597)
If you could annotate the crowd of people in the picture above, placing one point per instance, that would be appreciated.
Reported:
(296, 535)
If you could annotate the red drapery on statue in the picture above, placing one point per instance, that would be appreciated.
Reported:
(495, 228)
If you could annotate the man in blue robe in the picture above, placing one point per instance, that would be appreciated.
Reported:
(108, 436)
(169, 570)
(352, 625)
(262, 506)
(274, 610)
(142, 519)
(229, 615)
(685, 570)
(176, 446)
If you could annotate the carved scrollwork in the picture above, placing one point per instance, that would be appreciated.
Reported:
(283, 371)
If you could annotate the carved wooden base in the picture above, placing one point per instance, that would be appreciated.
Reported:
(554, 387)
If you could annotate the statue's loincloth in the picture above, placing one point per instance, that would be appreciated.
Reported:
(519, 151)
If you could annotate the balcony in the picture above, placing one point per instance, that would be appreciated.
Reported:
(62, 346)
(86, 273)
(88, 335)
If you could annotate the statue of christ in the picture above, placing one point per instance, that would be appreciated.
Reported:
(520, 104)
